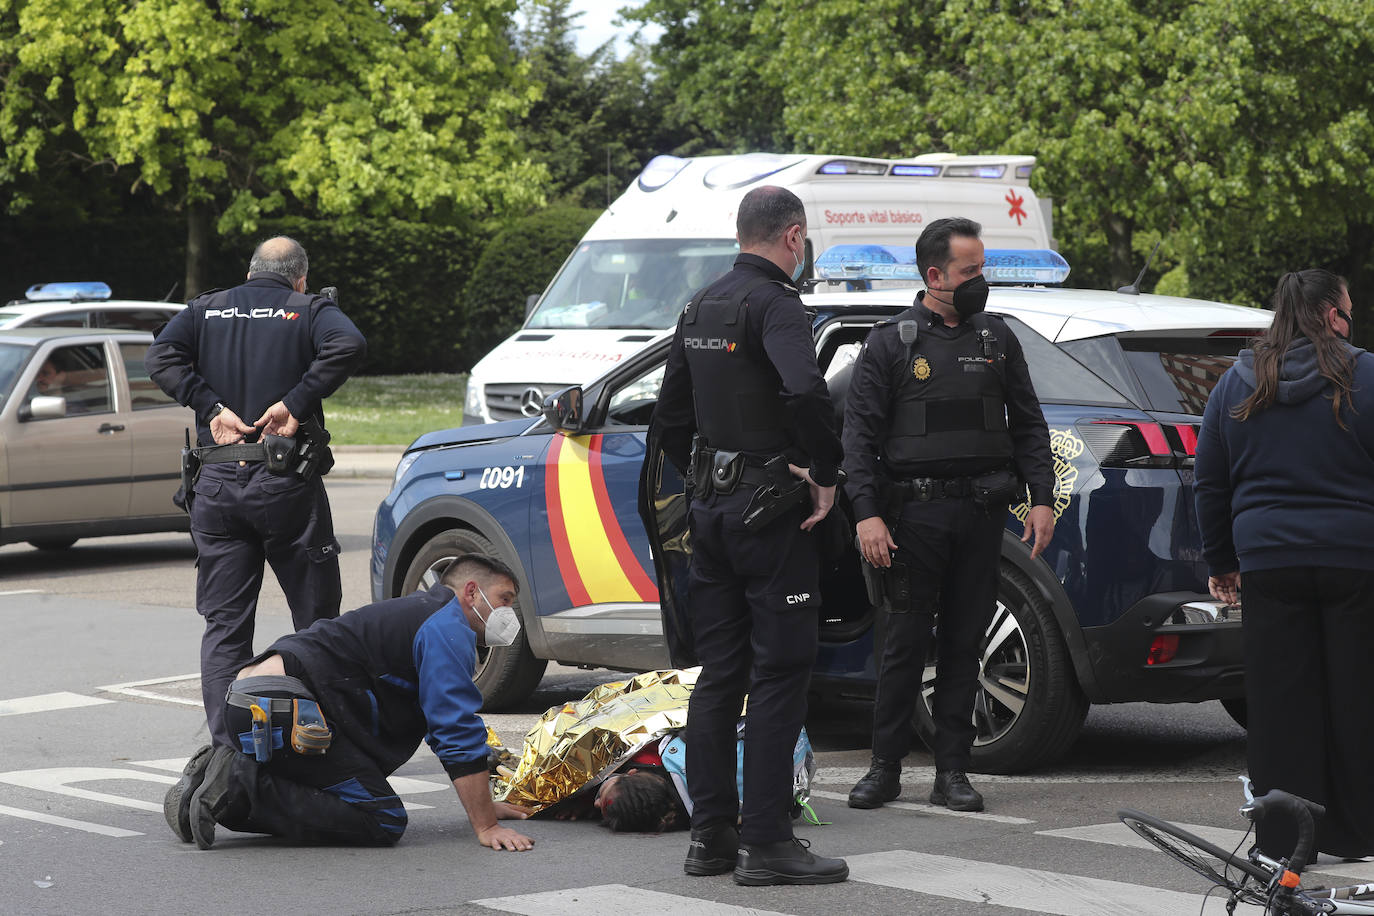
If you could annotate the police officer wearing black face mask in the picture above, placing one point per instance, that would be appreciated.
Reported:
(742, 378)
(255, 362)
(942, 431)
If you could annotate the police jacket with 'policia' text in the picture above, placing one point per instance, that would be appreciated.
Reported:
(742, 372)
(253, 345)
(947, 405)
(394, 673)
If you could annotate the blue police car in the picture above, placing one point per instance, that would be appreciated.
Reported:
(1116, 610)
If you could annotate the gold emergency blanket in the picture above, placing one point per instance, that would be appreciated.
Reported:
(574, 744)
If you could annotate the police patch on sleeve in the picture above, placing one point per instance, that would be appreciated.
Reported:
(921, 368)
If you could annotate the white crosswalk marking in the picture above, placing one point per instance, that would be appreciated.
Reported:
(614, 898)
(926, 808)
(46, 702)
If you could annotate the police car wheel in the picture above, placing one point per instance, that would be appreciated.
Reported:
(506, 675)
(53, 543)
(1029, 707)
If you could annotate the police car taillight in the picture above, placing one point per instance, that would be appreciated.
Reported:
(747, 169)
(660, 171)
(1122, 443)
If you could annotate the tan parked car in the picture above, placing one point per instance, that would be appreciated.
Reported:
(89, 446)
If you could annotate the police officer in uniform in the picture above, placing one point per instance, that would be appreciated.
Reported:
(368, 687)
(742, 379)
(942, 431)
(267, 354)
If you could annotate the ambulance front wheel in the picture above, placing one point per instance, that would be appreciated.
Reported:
(506, 675)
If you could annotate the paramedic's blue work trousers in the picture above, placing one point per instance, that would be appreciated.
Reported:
(754, 604)
(241, 516)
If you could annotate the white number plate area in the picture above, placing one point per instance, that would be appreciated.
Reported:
(501, 478)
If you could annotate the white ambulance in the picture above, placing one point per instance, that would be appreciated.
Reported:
(673, 231)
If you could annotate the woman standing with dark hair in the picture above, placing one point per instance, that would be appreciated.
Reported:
(1285, 499)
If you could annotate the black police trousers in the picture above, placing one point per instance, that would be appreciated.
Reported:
(952, 547)
(754, 605)
(241, 516)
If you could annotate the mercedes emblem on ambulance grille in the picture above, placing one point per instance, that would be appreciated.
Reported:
(532, 402)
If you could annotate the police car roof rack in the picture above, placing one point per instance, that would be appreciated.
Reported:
(69, 291)
(862, 264)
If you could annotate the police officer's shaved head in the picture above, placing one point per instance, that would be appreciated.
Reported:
(932, 247)
(280, 255)
(479, 567)
(765, 213)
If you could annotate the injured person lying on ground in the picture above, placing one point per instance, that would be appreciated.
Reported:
(618, 755)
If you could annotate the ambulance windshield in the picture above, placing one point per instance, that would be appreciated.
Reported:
(631, 283)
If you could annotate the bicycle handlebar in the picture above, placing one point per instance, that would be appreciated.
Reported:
(1300, 810)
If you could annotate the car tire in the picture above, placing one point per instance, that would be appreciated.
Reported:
(53, 543)
(1029, 708)
(1237, 709)
(506, 675)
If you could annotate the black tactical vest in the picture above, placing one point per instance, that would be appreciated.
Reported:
(736, 388)
(949, 404)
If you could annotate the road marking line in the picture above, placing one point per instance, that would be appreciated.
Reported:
(67, 822)
(850, 775)
(1020, 888)
(131, 689)
(614, 898)
(21, 591)
(57, 780)
(46, 702)
(931, 809)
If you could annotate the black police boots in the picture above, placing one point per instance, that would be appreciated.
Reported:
(882, 783)
(712, 850)
(788, 862)
(953, 791)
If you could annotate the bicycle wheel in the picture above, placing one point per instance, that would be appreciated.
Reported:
(1248, 881)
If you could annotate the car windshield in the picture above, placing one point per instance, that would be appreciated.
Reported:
(12, 359)
(631, 283)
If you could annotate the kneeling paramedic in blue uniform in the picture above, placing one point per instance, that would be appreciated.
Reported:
(325, 715)
(942, 432)
(267, 354)
(742, 381)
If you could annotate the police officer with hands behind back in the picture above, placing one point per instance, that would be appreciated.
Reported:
(743, 392)
(942, 431)
(269, 351)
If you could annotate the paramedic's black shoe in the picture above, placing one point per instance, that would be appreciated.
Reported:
(712, 850)
(953, 792)
(882, 783)
(176, 806)
(210, 796)
(788, 862)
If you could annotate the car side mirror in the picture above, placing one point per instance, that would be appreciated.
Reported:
(530, 302)
(563, 409)
(43, 408)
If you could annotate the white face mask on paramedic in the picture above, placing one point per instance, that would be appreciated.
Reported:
(502, 624)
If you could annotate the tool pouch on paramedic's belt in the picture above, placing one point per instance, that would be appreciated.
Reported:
(998, 488)
(281, 450)
(309, 733)
(780, 494)
(726, 468)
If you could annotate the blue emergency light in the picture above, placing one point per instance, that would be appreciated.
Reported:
(62, 292)
(898, 262)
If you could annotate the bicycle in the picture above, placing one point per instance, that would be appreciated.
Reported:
(1257, 878)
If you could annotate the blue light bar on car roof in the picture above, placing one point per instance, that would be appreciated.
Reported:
(59, 292)
(898, 262)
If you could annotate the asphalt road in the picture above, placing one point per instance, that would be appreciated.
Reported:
(99, 708)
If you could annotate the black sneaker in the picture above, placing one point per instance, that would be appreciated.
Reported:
(712, 850)
(882, 783)
(953, 791)
(211, 793)
(176, 805)
(788, 862)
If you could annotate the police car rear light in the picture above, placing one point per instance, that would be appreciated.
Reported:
(1187, 436)
(916, 171)
(746, 169)
(1162, 649)
(1127, 443)
(660, 171)
(975, 171)
(852, 167)
(1034, 265)
(61, 292)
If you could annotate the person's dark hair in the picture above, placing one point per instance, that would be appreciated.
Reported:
(476, 565)
(765, 213)
(280, 255)
(932, 246)
(645, 802)
(1300, 304)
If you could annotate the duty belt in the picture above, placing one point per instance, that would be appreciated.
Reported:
(924, 489)
(224, 454)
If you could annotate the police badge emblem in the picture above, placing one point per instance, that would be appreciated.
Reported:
(921, 369)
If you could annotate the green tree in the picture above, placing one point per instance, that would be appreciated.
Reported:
(231, 113)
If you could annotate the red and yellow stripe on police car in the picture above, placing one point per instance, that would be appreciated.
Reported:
(594, 558)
